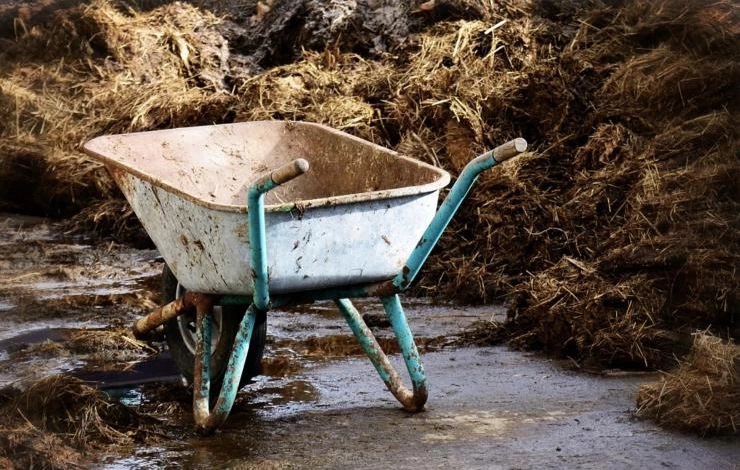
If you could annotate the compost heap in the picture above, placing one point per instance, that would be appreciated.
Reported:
(612, 241)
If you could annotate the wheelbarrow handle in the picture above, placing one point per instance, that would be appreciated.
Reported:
(256, 224)
(451, 204)
(281, 175)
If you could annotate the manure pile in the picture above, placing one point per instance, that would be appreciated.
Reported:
(616, 237)
(96, 69)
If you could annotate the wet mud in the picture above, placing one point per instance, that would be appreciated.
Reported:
(66, 304)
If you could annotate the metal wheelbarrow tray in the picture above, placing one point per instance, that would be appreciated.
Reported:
(226, 209)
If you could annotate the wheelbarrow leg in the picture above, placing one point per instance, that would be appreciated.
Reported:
(411, 400)
(205, 419)
(411, 356)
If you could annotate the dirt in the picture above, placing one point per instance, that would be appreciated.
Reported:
(65, 301)
(318, 403)
(489, 408)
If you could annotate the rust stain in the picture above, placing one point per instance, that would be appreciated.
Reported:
(405, 274)
(189, 302)
(384, 289)
(299, 209)
(119, 176)
(241, 231)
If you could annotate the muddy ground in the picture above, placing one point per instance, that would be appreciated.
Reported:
(318, 403)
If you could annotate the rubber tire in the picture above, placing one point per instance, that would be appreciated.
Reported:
(231, 317)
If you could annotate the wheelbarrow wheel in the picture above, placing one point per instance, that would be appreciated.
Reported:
(180, 335)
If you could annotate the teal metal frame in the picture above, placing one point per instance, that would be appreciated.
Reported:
(208, 419)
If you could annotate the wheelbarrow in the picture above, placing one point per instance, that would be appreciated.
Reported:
(360, 223)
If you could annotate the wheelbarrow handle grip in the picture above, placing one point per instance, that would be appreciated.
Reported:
(510, 149)
(280, 176)
(289, 171)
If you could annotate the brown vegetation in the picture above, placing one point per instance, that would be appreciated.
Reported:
(53, 423)
(702, 395)
(95, 69)
(620, 234)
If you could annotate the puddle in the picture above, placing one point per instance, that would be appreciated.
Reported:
(280, 366)
(273, 398)
(23, 340)
(52, 285)
(40, 264)
(153, 458)
(103, 357)
(38, 330)
(158, 369)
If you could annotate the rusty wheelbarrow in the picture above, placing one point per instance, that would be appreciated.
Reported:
(360, 223)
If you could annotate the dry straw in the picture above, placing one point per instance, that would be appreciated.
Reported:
(51, 423)
(702, 395)
(97, 69)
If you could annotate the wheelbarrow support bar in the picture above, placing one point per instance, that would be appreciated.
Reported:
(411, 400)
(451, 204)
(145, 326)
(205, 419)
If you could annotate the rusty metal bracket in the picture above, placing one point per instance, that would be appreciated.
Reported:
(187, 303)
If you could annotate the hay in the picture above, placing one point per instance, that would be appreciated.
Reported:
(106, 71)
(329, 88)
(620, 236)
(51, 424)
(28, 447)
(103, 349)
(97, 341)
(110, 218)
(57, 421)
(702, 395)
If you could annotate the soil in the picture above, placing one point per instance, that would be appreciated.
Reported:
(318, 402)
